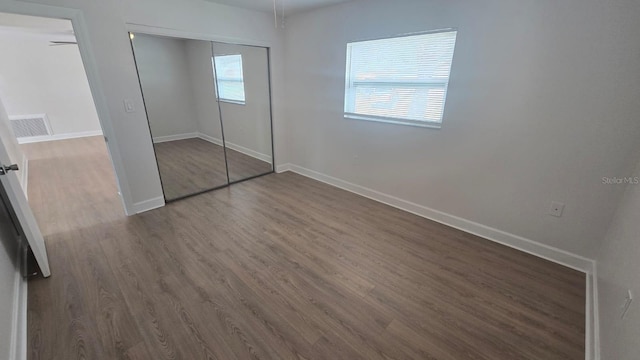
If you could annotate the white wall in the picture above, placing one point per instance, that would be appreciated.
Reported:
(248, 125)
(37, 78)
(107, 34)
(543, 102)
(201, 73)
(618, 271)
(166, 85)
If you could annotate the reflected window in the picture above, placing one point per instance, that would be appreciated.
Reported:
(229, 79)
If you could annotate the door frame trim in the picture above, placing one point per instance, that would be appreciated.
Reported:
(90, 65)
(176, 33)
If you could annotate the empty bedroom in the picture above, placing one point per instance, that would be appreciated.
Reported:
(319, 179)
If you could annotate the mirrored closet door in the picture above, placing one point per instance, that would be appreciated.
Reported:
(242, 83)
(209, 111)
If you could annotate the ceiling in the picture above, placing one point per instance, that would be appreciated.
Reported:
(290, 6)
(32, 26)
(34, 22)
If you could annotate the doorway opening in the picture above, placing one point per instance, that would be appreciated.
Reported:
(55, 136)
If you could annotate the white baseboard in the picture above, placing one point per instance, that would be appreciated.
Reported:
(185, 136)
(147, 205)
(562, 257)
(249, 152)
(592, 321)
(210, 139)
(550, 253)
(24, 175)
(18, 349)
(21, 344)
(161, 139)
(34, 139)
(283, 168)
(236, 147)
(213, 140)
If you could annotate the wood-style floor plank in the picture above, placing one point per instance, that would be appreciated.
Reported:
(193, 165)
(279, 267)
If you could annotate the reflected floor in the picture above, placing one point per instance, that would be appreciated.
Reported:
(194, 165)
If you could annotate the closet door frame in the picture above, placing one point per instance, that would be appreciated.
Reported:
(175, 33)
(273, 152)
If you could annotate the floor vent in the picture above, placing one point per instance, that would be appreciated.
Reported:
(30, 125)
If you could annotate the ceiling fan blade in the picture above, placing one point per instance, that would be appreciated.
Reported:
(59, 43)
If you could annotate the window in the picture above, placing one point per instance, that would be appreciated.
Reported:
(400, 80)
(229, 79)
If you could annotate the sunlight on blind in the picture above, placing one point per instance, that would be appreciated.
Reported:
(229, 80)
(403, 79)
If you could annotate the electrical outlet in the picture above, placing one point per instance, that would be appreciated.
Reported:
(556, 208)
(627, 304)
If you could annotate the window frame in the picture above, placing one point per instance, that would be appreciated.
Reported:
(216, 79)
(351, 83)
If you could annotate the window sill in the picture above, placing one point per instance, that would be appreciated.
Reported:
(422, 124)
(232, 102)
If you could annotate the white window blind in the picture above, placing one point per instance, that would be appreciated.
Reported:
(229, 79)
(402, 80)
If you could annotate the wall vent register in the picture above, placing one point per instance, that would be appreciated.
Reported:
(26, 126)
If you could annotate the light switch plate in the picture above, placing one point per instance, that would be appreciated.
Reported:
(129, 106)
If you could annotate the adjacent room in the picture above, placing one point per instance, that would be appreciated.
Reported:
(53, 121)
(319, 179)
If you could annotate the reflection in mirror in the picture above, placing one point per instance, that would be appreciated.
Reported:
(176, 77)
(242, 83)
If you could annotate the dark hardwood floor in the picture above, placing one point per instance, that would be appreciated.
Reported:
(280, 267)
(193, 165)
